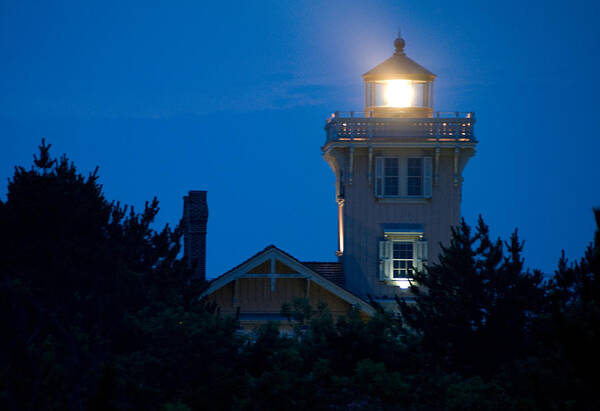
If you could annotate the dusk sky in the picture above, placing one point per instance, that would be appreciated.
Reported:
(231, 97)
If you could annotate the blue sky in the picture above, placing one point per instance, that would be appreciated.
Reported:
(231, 97)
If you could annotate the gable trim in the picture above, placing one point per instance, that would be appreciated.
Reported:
(272, 253)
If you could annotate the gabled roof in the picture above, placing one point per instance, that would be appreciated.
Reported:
(331, 270)
(303, 270)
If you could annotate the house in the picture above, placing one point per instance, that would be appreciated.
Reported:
(255, 290)
(398, 168)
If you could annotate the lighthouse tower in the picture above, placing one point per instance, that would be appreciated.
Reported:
(398, 168)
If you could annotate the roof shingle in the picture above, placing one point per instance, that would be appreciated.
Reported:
(399, 64)
(331, 270)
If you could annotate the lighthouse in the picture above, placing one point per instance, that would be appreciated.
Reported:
(398, 177)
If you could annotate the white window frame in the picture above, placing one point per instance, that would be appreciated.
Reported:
(402, 263)
(403, 177)
(386, 256)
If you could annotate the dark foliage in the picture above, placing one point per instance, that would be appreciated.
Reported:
(99, 313)
(476, 306)
(73, 268)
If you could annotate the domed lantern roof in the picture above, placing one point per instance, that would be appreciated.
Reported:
(399, 87)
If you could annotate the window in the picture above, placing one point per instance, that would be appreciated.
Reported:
(415, 93)
(399, 177)
(402, 252)
(415, 177)
(402, 259)
(391, 177)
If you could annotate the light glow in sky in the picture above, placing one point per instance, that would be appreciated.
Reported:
(231, 97)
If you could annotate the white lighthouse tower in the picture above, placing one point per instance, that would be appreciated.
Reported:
(398, 167)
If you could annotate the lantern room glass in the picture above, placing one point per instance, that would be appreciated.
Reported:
(399, 93)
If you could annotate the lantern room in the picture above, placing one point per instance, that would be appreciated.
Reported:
(399, 87)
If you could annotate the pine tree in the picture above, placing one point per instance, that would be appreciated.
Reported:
(474, 307)
(72, 265)
(572, 336)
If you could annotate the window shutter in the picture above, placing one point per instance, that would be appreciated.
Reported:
(385, 260)
(427, 179)
(420, 256)
(382, 250)
(417, 262)
(387, 269)
(378, 176)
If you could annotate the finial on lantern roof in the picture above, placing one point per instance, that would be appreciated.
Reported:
(399, 67)
(399, 43)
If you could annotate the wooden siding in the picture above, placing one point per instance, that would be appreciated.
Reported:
(364, 214)
(223, 297)
(336, 305)
(263, 268)
(281, 268)
(254, 295)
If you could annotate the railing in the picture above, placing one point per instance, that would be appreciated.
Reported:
(443, 126)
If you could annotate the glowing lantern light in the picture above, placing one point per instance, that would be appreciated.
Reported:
(399, 93)
(399, 87)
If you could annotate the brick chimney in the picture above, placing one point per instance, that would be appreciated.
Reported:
(195, 216)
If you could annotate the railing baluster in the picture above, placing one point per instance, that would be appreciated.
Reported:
(354, 125)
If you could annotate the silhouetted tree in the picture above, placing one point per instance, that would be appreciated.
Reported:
(572, 332)
(72, 265)
(474, 308)
(98, 313)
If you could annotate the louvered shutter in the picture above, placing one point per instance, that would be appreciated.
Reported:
(417, 262)
(385, 260)
(420, 255)
(378, 176)
(427, 176)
